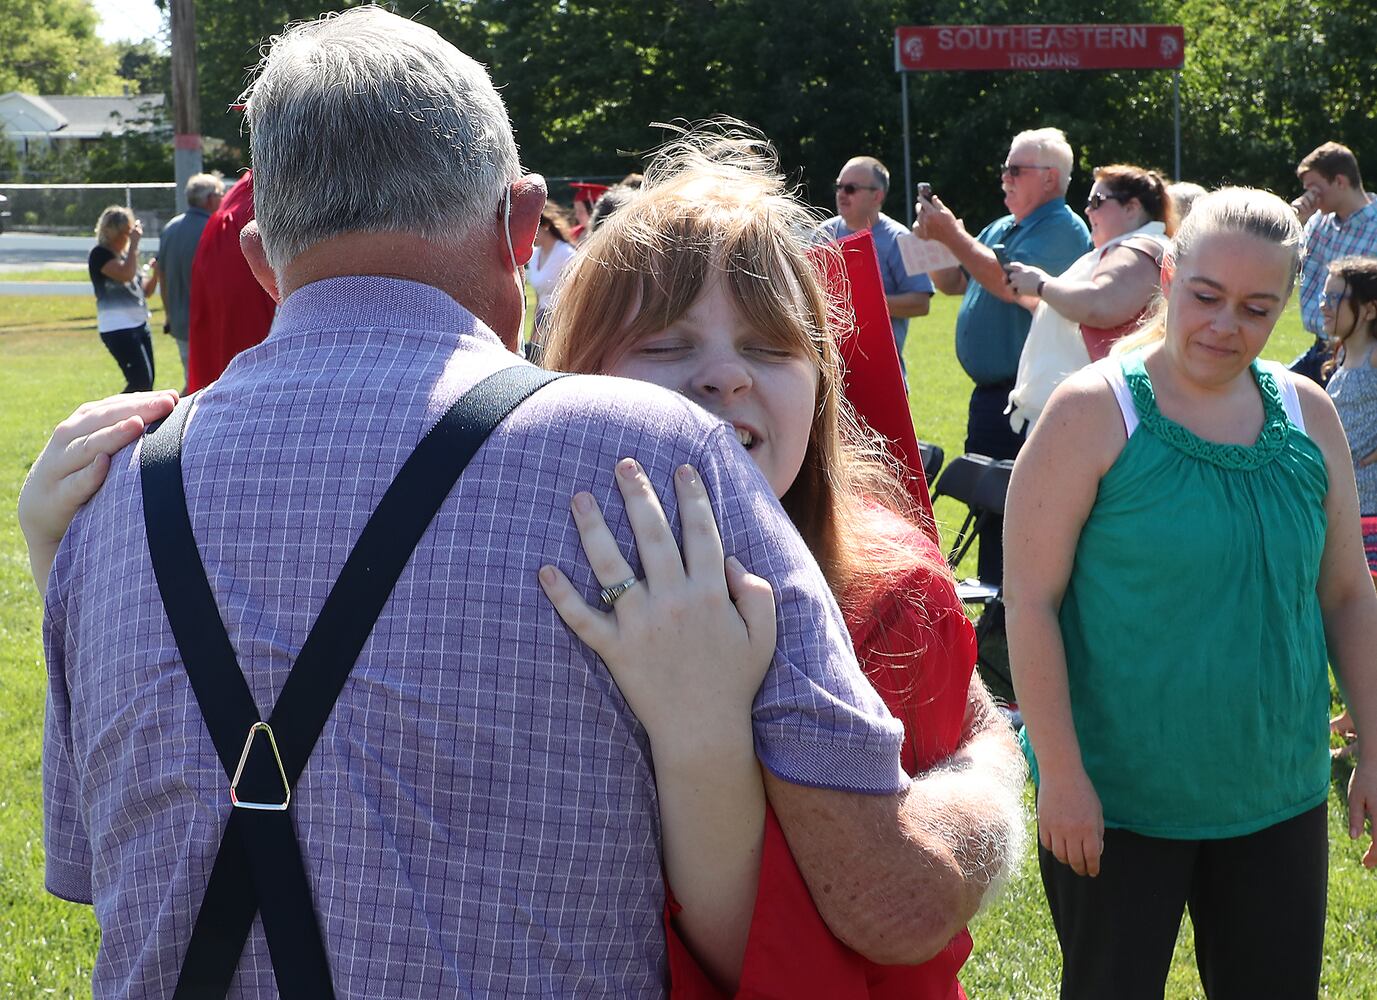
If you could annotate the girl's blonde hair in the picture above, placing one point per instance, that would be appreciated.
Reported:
(111, 221)
(714, 206)
(1229, 210)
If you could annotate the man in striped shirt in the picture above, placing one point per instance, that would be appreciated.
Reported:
(1340, 220)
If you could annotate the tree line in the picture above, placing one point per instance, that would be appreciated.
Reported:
(1263, 83)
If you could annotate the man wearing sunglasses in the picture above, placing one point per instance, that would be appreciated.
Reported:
(993, 322)
(861, 187)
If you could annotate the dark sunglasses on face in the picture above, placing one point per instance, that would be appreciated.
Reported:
(850, 189)
(1097, 200)
(1014, 169)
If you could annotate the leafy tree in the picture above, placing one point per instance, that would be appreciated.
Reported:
(1266, 83)
(229, 39)
(51, 47)
(132, 155)
(9, 160)
(147, 68)
(1263, 83)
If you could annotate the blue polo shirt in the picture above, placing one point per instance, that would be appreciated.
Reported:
(893, 274)
(989, 331)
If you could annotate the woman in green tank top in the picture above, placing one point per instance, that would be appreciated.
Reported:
(1183, 561)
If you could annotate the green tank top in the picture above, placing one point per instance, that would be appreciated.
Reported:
(1195, 650)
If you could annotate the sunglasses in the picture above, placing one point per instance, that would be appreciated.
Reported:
(1097, 201)
(850, 189)
(1014, 169)
(1332, 300)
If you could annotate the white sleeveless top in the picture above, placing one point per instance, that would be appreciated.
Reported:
(1054, 348)
(1113, 373)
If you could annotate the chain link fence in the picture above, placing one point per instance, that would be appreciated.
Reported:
(72, 209)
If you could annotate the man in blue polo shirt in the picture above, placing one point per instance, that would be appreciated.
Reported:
(993, 322)
(861, 189)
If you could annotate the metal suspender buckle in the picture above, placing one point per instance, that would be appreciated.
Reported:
(281, 771)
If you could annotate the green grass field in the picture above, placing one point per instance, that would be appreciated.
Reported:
(45, 274)
(53, 360)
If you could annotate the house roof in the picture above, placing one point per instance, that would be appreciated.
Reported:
(33, 116)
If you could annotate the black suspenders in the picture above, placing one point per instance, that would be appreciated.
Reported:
(259, 867)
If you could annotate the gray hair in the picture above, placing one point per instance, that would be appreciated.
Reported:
(1053, 151)
(1183, 195)
(365, 121)
(111, 221)
(200, 188)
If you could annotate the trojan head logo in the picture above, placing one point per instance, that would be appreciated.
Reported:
(1169, 47)
(913, 49)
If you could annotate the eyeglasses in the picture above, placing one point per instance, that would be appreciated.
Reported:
(1014, 169)
(850, 189)
(1097, 201)
(1332, 300)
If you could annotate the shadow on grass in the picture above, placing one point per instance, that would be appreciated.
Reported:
(66, 324)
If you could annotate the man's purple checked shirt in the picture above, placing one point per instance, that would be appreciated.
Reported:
(479, 816)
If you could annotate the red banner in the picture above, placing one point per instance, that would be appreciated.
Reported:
(1039, 46)
(872, 379)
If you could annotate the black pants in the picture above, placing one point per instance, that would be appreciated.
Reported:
(988, 433)
(1257, 904)
(133, 351)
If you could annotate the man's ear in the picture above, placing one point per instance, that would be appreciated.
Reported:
(527, 201)
(251, 243)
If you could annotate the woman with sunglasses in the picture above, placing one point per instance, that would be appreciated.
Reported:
(1103, 295)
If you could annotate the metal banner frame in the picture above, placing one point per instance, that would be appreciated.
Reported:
(1036, 47)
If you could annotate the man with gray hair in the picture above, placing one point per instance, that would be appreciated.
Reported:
(176, 250)
(861, 188)
(469, 807)
(993, 322)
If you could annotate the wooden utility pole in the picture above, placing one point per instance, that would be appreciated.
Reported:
(186, 97)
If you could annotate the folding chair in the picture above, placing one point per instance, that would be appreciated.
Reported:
(932, 456)
(981, 484)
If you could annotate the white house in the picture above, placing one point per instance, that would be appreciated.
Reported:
(33, 122)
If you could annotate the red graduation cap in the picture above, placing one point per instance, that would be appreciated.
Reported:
(588, 192)
(872, 379)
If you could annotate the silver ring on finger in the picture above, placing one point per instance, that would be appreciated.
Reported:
(610, 594)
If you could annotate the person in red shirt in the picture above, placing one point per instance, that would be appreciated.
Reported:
(230, 311)
(710, 269)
